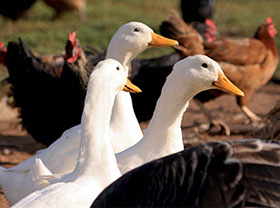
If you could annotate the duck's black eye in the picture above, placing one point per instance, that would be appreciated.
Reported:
(204, 65)
(136, 29)
(118, 68)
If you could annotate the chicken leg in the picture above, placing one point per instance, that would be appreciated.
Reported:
(250, 114)
(217, 123)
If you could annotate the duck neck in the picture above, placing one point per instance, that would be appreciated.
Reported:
(124, 126)
(164, 129)
(124, 57)
(95, 150)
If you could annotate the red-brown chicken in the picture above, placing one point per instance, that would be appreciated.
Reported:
(191, 42)
(249, 62)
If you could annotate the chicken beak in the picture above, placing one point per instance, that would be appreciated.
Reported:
(129, 87)
(158, 40)
(223, 83)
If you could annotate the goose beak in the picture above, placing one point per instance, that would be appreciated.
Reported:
(224, 84)
(158, 40)
(129, 87)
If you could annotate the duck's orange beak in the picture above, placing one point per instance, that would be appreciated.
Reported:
(129, 87)
(223, 83)
(158, 40)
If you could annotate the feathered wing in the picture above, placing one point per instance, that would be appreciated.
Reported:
(33, 85)
(217, 174)
(191, 42)
(246, 51)
(49, 102)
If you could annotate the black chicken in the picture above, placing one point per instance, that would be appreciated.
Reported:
(46, 100)
(74, 80)
(15, 9)
(199, 13)
(197, 10)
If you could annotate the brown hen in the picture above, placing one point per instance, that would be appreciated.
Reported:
(249, 62)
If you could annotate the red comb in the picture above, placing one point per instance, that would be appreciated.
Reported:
(269, 20)
(3, 48)
(210, 23)
(72, 37)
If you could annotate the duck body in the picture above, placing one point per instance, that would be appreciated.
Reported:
(56, 191)
(28, 180)
(96, 165)
(234, 173)
(50, 194)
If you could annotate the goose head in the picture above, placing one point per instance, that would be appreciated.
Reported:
(114, 75)
(203, 73)
(133, 38)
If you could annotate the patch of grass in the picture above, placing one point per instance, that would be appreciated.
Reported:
(241, 18)
(104, 17)
(43, 35)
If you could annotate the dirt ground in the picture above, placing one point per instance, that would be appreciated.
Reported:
(16, 145)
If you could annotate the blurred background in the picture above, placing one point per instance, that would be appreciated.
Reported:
(43, 34)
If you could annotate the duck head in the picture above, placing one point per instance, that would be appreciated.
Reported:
(201, 73)
(114, 74)
(133, 38)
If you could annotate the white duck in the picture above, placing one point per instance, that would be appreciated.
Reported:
(96, 156)
(130, 40)
(164, 135)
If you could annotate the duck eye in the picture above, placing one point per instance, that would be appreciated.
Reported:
(136, 29)
(204, 65)
(118, 68)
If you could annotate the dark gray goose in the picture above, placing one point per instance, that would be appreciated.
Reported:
(217, 174)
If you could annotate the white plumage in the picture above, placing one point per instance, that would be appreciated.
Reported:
(164, 135)
(96, 155)
(130, 40)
